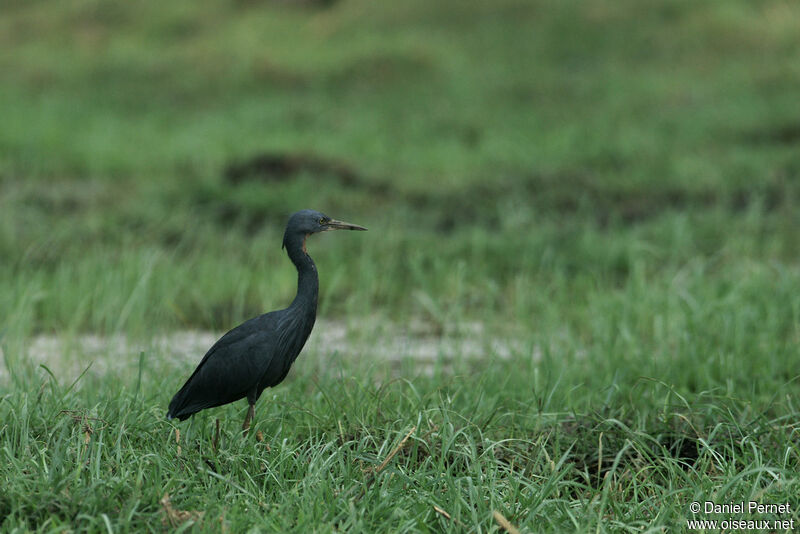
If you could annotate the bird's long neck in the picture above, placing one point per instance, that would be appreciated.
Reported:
(307, 278)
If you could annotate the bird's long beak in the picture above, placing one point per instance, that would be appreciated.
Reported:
(333, 224)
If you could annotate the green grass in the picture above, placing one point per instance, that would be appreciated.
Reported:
(616, 426)
(612, 187)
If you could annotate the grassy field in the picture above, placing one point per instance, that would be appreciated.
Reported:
(611, 188)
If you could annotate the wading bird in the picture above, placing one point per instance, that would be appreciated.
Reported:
(258, 353)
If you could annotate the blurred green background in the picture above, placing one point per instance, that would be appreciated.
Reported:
(506, 155)
(599, 199)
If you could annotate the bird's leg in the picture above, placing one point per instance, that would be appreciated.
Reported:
(251, 412)
(215, 443)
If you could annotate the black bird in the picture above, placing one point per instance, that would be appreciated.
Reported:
(258, 353)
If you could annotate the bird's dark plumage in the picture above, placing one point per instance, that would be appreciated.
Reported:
(258, 353)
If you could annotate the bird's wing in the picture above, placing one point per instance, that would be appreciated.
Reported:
(246, 330)
(231, 367)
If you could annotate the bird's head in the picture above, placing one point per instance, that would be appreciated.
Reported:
(307, 222)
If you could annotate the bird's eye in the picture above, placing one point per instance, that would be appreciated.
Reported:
(322, 221)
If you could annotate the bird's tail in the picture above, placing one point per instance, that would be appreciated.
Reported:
(177, 406)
